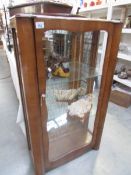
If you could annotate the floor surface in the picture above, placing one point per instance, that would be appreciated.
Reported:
(113, 157)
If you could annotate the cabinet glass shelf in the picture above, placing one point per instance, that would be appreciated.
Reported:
(77, 71)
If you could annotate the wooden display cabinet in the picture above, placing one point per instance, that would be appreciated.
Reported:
(57, 67)
(41, 7)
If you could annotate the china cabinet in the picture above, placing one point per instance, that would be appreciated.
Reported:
(57, 67)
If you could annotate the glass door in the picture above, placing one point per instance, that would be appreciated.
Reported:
(71, 89)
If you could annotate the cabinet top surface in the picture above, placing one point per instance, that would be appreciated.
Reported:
(63, 17)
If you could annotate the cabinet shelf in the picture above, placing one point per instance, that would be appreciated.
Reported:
(124, 56)
(121, 3)
(95, 9)
(126, 30)
(77, 70)
(126, 82)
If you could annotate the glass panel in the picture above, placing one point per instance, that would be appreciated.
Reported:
(72, 89)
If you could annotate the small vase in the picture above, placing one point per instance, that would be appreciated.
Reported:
(98, 2)
(92, 3)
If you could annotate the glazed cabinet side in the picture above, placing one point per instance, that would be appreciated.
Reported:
(16, 53)
(29, 82)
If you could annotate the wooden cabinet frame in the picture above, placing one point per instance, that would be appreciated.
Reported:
(29, 56)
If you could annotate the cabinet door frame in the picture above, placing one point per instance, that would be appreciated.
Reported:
(113, 30)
